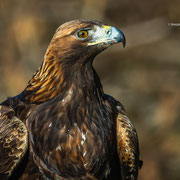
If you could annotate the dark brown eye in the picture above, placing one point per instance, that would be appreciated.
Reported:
(82, 34)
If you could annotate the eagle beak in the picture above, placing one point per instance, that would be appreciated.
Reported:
(114, 35)
(106, 35)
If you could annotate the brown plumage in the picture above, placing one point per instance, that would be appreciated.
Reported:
(75, 130)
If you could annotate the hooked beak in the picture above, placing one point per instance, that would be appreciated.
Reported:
(107, 35)
(115, 35)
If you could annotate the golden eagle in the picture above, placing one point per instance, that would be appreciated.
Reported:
(63, 126)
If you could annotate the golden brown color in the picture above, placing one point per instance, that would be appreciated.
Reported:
(75, 130)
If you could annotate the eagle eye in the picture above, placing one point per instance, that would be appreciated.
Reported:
(82, 34)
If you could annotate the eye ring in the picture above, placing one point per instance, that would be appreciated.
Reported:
(83, 34)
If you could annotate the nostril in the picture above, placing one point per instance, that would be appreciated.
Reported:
(108, 32)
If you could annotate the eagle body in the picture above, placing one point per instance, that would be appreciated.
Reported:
(80, 123)
(63, 126)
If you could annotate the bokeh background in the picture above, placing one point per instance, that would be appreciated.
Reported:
(145, 76)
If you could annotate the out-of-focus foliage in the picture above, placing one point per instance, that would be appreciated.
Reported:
(145, 76)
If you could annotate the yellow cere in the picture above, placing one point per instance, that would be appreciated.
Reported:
(107, 27)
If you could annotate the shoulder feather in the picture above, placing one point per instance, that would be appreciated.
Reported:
(13, 141)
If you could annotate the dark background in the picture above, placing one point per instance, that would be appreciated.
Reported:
(145, 76)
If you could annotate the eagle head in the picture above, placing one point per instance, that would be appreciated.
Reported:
(80, 39)
(70, 55)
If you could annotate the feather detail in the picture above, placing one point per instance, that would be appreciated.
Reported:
(75, 130)
(13, 141)
(127, 148)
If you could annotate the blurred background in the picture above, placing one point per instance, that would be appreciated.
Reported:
(145, 76)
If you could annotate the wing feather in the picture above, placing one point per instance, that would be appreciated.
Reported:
(127, 142)
(127, 147)
(13, 141)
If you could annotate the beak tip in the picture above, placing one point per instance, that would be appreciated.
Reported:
(124, 42)
(119, 36)
(122, 38)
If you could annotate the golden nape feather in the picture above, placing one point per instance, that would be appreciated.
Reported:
(75, 130)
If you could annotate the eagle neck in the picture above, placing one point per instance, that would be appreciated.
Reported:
(57, 77)
(86, 83)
